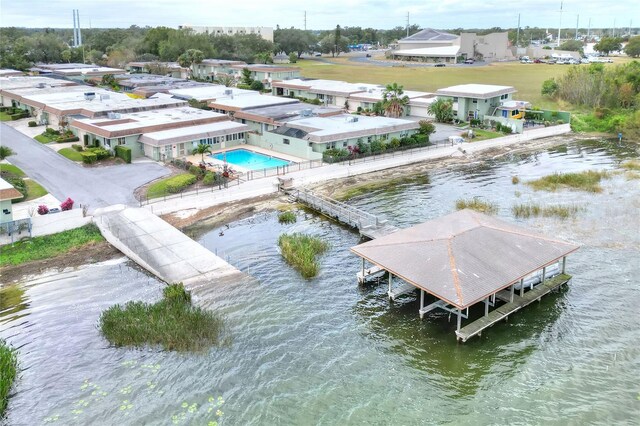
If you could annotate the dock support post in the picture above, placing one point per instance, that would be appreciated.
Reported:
(459, 318)
(544, 275)
(486, 306)
(421, 302)
(521, 287)
(390, 275)
(363, 268)
(511, 293)
(564, 263)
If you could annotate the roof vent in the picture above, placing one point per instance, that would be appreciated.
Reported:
(40, 85)
(89, 96)
(351, 119)
(228, 91)
(362, 88)
(307, 112)
(104, 96)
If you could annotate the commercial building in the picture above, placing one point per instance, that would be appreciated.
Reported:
(430, 45)
(264, 32)
(476, 101)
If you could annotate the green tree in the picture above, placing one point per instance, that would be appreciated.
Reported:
(572, 46)
(393, 100)
(293, 57)
(225, 79)
(549, 87)
(442, 110)
(202, 149)
(426, 127)
(246, 76)
(633, 47)
(264, 58)
(5, 152)
(607, 45)
(190, 57)
(327, 45)
(257, 85)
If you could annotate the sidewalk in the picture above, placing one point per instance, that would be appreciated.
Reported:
(303, 178)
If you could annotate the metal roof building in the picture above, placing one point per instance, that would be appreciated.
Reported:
(464, 258)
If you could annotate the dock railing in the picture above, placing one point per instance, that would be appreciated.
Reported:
(342, 212)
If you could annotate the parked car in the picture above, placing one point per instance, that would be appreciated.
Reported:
(526, 61)
(317, 54)
(538, 61)
(368, 55)
(439, 64)
(469, 61)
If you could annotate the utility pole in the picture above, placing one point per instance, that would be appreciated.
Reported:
(518, 33)
(577, 23)
(407, 24)
(614, 27)
(589, 30)
(560, 24)
(305, 20)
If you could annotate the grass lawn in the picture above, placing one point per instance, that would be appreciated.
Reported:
(4, 116)
(34, 190)
(12, 169)
(71, 154)
(172, 323)
(49, 246)
(481, 135)
(527, 78)
(43, 139)
(161, 187)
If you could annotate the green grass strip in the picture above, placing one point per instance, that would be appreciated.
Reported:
(71, 154)
(172, 323)
(10, 168)
(301, 251)
(166, 186)
(42, 139)
(49, 246)
(8, 370)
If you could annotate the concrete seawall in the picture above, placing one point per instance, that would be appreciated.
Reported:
(165, 251)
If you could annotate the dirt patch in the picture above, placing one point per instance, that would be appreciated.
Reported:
(195, 219)
(88, 253)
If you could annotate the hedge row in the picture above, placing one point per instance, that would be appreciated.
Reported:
(179, 183)
(124, 152)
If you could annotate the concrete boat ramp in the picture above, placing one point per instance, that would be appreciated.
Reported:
(165, 251)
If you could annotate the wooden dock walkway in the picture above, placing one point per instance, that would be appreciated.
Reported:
(369, 225)
(502, 312)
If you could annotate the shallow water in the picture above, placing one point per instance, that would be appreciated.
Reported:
(327, 351)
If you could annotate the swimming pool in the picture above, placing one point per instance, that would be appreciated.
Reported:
(249, 159)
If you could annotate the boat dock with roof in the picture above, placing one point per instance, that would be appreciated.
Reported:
(466, 259)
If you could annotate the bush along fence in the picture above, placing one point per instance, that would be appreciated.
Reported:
(124, 152)
(354, 157)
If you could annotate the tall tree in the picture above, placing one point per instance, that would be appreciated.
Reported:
(633, 47)
(607, 45)
(190, 57)
(5, 152)
(393, 100)
(202, 149)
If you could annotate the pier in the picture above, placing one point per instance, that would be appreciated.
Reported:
(369, 225)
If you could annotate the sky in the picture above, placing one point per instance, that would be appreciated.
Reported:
(324, 14)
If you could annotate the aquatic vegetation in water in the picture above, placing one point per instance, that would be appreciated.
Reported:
(387, 184)
(631, 165)
(287, 217)
(535, 210)
(8, 370)
(588, 180)
(477, 204)
(301, 251)
(172, 323)
(515, 180)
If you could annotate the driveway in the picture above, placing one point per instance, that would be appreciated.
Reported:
(94, 187)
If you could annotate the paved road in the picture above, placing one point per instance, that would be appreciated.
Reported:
(95, 186)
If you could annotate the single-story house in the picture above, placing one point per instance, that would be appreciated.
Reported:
(267, 74)
(7, 194)
(211, 69)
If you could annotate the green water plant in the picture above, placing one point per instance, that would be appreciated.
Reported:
(287, 217)
(172, 323)
(477, 204)
(8, 371)
(301, 252)
(535, 210)
(588, 180)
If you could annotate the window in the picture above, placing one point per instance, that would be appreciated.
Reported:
(121, 141)
(107, 142)
(475, 101)
(285, 141)
(369, 139)
(344, 144)
(455, 99)
(228, 138)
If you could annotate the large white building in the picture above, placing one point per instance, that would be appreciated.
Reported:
(264, 32)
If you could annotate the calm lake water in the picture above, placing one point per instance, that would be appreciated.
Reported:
(327, 351)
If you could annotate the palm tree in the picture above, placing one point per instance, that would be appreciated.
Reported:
(5, 152)
(202, 149)
(393, 101)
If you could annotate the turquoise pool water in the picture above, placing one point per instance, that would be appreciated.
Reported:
(249, 159)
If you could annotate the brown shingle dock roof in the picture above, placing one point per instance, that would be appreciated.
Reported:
(463, 257)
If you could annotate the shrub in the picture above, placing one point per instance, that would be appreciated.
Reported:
(197, 171)
(406, 141)
(78, 148)
(89, 157)
(211, 178)
(335, 154)
(394, 143)
(293, 57)
(32, 123)
(256, 85)
(42, 209)
(124, 152)
(66, 204)
(426, 127)
(376, 146)
(420, 138)
(179, 183)
(63, 139)
(101, 153)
